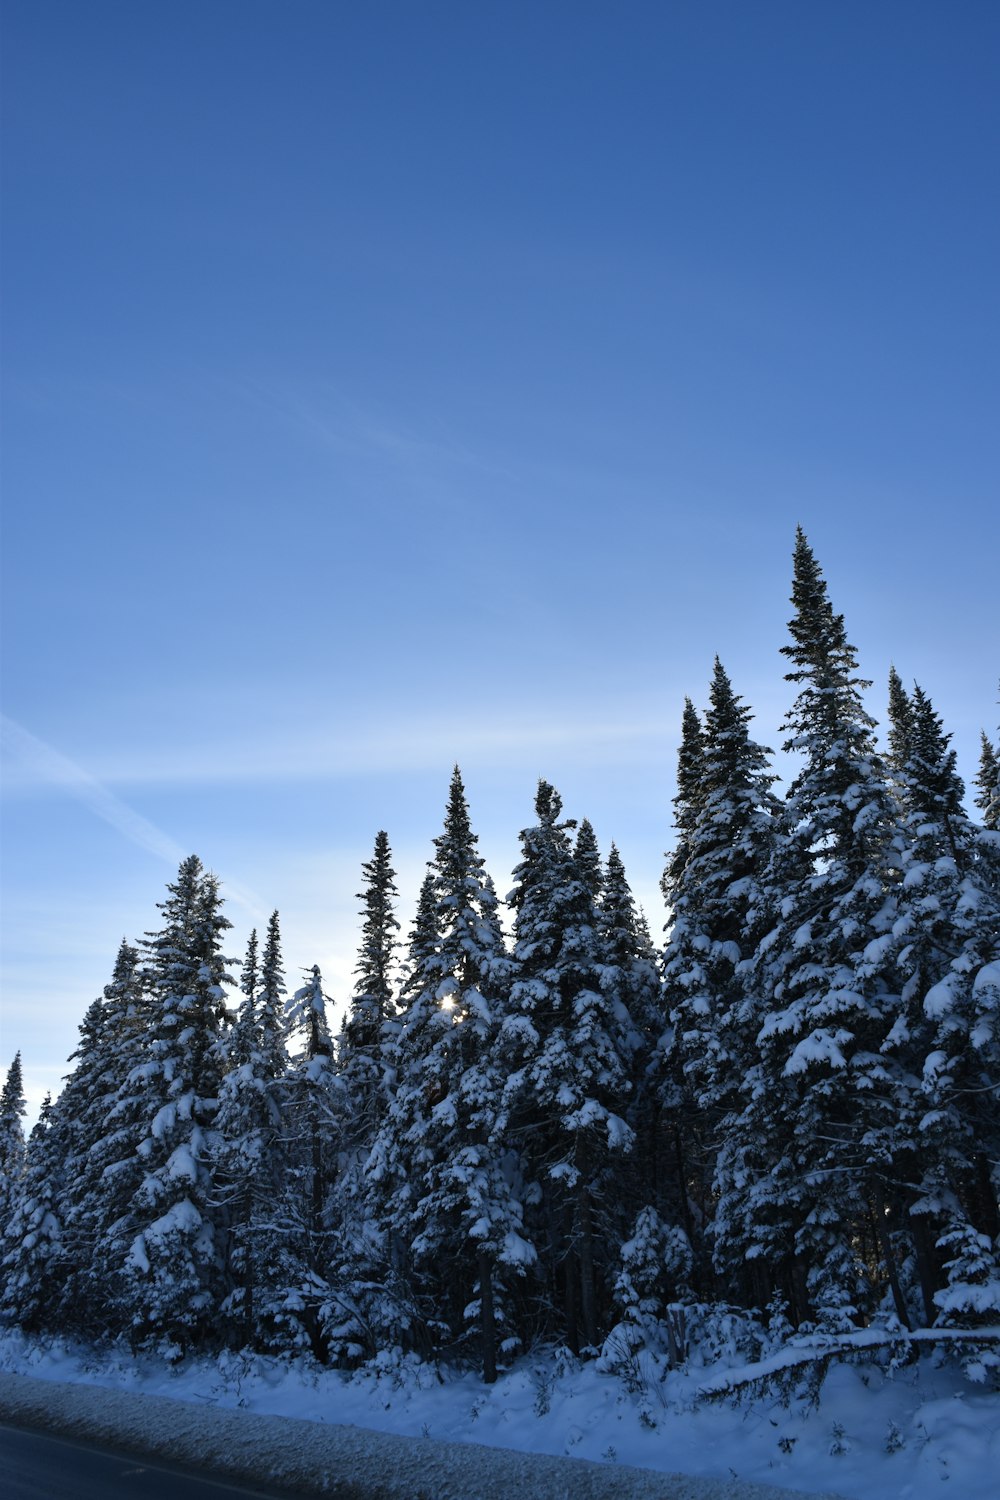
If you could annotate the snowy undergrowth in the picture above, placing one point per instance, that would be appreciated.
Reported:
(917, 1432)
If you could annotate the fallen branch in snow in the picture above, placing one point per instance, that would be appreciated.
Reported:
(819, 1354)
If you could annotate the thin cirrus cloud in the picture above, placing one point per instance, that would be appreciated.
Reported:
(31, 762)
(328, 753)
(342, 425)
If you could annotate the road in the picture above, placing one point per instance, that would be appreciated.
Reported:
(37, 1466)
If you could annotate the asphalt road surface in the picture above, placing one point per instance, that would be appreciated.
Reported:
(36, 1466)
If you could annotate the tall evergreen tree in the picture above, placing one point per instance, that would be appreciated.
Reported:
(564, 1037)
(628, 950)
(718, 911)
(251, 1160)
(30, 1245)
(439, 1158)
(314, 1132)
(988, 782)
(51, 1265)
(949, 929)
(718, 915)
(12, 1143)
(630, 974)
(364, 1036)
(104, 1168)
(687, 800)
(812, 1142)
(174, 1262)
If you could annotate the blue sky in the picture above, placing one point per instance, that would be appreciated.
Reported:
(387, 385)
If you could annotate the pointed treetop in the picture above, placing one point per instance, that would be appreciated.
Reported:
(307, 1013)
(588, 858)
(933, 786)
(690, 790)
(988, 782)
(126, 960)
(248, 979)
(900, 721)
(625, 930)
(12, 1111)
(424, 936)
(689, 762)
(371, 1003)
(728, 756)
(820, 647)
(452, 847)
(12, 1105)
(548, 803)
(272, 978)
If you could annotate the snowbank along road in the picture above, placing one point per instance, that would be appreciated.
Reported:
(349, 1463)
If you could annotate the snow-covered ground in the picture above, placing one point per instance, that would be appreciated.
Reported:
(920, 1433)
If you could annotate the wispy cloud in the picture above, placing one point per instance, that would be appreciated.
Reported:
(29, 760)
(343, 425)
(41, 763)
(333, 752)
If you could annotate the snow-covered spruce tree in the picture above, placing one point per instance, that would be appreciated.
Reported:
(382, 1282)
(659, 1099)
(949, 930)
(441, 1168)
(365, 1066)
(566, 1038)
(688, 798)
(48, 1256)
(105, 1123)
(314, 1116)
(173, 1283)
(718, 914)
(988, 782)
(812, 1145)
(362, 1066)
(30, 1244)
(631, 975)
(654, 1269)
(628, 949)
(900, 725)
(251, 1159)
(588, 858)
(12, 1144)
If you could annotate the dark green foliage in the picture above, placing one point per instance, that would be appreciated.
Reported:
(988, 782)
(811, 1142)
(251, 1146)
(569, 1041)
(12, 1145)
(588, 858)
(437, 1169)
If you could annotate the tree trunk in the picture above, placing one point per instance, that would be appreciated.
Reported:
(585, 1250)
(883, 1240)
(800, 1297)
(487, 1318)
(925, 1264)
(684, 1204)
(569, 1293)
(987, 1219)
(248, 1277)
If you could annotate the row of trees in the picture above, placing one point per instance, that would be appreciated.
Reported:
(795, 1108)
